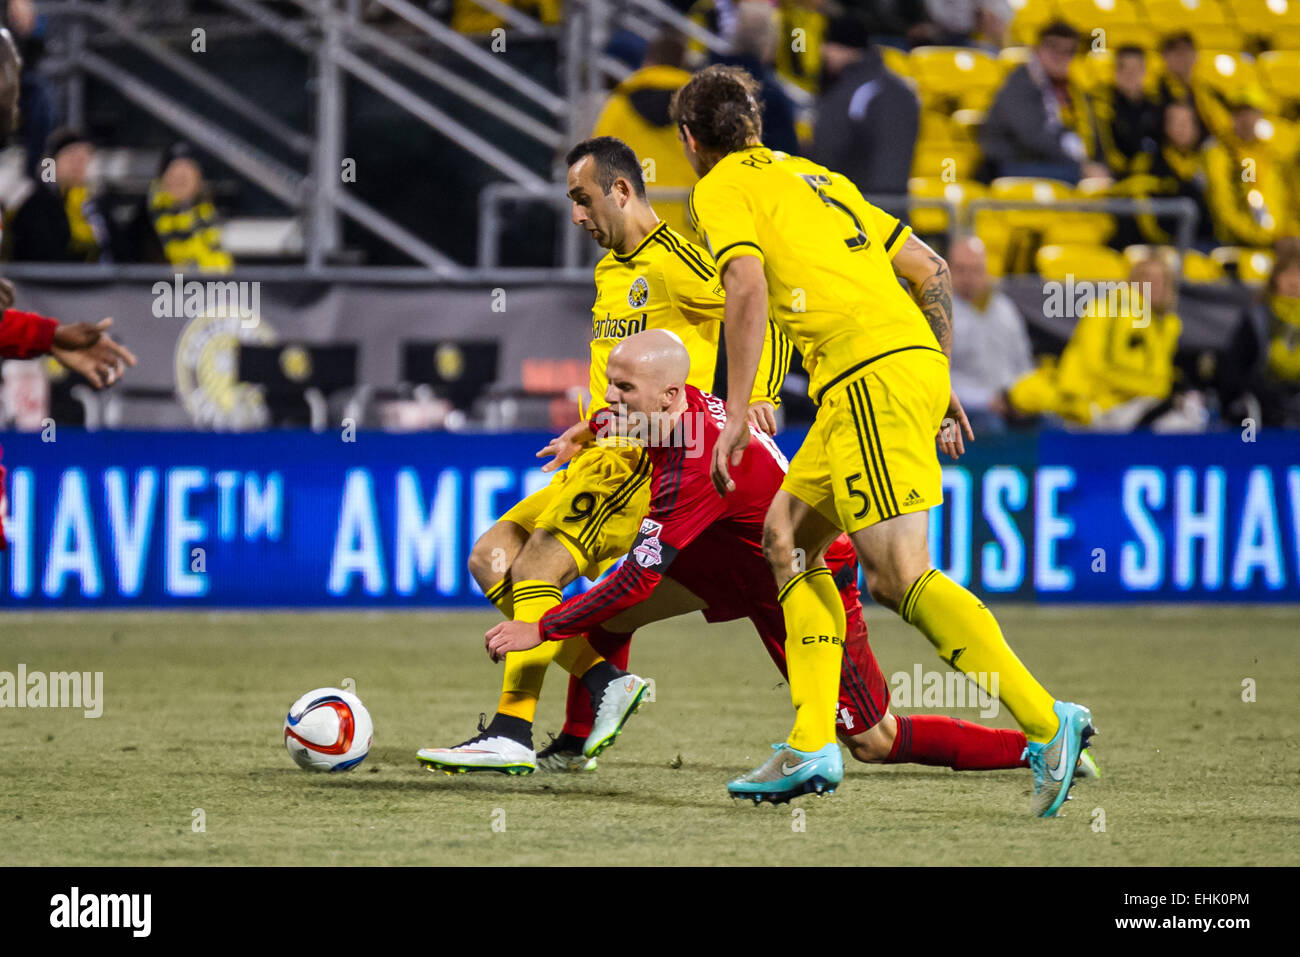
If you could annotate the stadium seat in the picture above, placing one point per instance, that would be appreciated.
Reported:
(1082, 260)
(1028, 18)
(1280, 70)
(1011, 57)
(1073, 226)
(966, 124)
(1226, 71)
(936, 128)
(954, 161)
(1012, 235)
(1275, 22)
(1206, 20)
(934, 219)
(1115, 17)
(1254, 266)
(1198, 267)
(949, 76)
(896, 60)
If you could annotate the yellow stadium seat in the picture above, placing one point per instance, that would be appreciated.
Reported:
(936, 129)
(955, 75)
(1011, 57)
(1121, 34)
(966, 124)
(896, 60)
(1206, 20)
(1280, 70)
(1274, 21)
(953, 161)
(1082, 260)
(934, 219)
(1226, 71)
(1028, 18)
(1108, 15)
(1012, 235)
(1198, 267)
(1042, 191)
(1254, 266)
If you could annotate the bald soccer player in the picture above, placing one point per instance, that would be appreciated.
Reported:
(699, 551)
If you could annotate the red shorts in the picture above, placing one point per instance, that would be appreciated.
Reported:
(728, 571)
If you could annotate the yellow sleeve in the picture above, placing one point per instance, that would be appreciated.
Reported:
(723, 216)
(773, 365)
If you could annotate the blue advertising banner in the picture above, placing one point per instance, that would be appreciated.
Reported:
(280, 519)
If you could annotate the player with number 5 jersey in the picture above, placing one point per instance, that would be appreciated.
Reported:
(798, 242)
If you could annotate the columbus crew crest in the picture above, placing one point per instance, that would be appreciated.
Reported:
(639, 294)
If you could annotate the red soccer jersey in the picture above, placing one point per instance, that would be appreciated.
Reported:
(683, 504)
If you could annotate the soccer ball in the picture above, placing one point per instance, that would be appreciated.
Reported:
(328, 730)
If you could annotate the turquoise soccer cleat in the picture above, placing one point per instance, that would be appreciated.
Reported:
(789, 773)
(1054, 763)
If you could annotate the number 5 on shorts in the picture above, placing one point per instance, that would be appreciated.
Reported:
(858, 493)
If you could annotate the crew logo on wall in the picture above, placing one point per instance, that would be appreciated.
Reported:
(207, 360)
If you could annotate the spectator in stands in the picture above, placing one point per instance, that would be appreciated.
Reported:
(867, 118)
(182, 222)
(1039, 123)
(1245, 179)
(1177, 85)
(801, 62)
(1176, 168)
(753, 43)
(637, 113)
(1117, 371)
(36, 99)
(990, 347)
(962, 23)
(1128, 122)
(60, 221)
(1277, 380)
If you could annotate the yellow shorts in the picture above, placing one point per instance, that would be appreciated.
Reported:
(870, 454)
(593, 507)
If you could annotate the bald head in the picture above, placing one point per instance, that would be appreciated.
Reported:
(647, 372)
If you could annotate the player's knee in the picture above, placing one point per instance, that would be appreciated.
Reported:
(885, 586)
(491, 556)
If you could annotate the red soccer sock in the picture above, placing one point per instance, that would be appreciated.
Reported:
(614, 647)
(950, 742)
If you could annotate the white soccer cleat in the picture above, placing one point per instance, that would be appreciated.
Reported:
(484, 753)
(616, 702)
(564, 754)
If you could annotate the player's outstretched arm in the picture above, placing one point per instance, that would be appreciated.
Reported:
(927, 272)
(746, 325)
(566, 445)
(90, 350)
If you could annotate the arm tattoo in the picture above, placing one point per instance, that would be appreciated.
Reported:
(935, 299)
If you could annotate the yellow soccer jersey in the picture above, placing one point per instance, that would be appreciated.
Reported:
(670, 283)
(827, 254)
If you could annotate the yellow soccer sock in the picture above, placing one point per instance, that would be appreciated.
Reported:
(526, 670)
(499, 594)
(967, 636)
(814, 647)
(577, 657)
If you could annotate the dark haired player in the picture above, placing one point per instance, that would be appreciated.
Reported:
(581, 523)
(697, 550)
(796, 242)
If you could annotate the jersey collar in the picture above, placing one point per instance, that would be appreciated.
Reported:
(636, 252)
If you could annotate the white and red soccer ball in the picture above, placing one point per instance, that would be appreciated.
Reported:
(328, 730)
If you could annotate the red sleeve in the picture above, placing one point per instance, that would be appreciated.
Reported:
(25, 334)
(683, 504)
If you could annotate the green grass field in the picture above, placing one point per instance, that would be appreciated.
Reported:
(194, 704)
